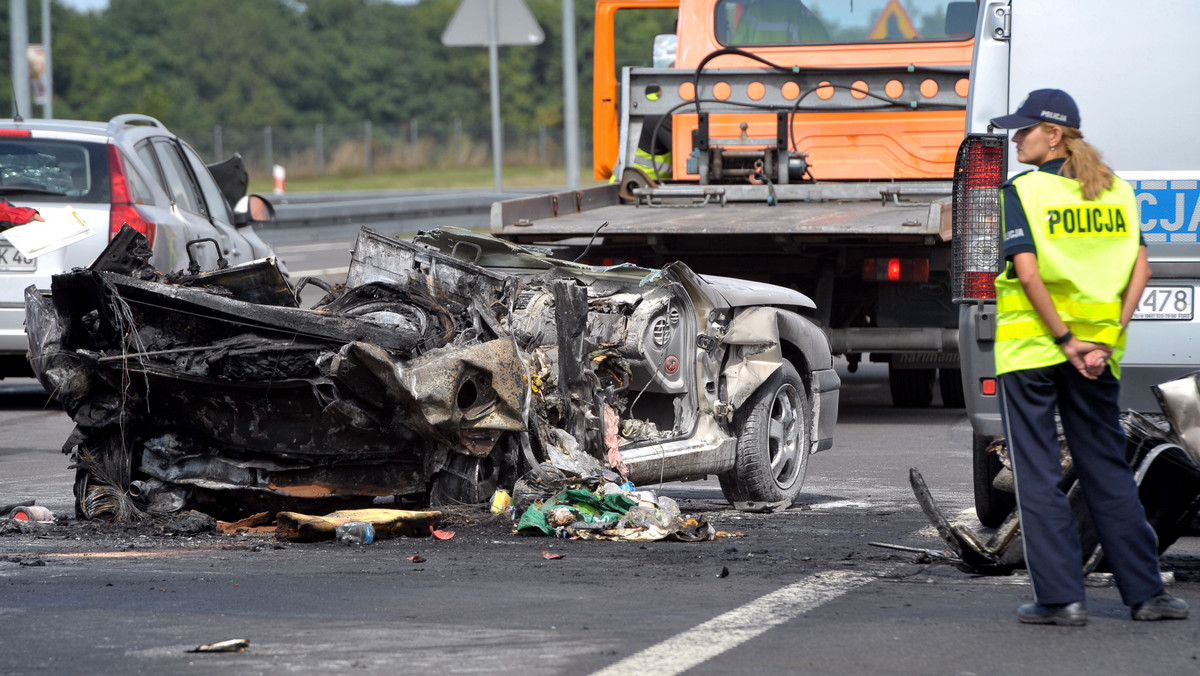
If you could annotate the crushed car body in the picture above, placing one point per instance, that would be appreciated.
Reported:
(442, 369)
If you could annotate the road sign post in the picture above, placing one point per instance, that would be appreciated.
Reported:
(491, 23)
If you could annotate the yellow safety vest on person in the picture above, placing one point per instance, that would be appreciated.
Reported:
(1086, 251)
(657, 167)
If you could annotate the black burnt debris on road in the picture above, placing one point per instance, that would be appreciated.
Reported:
(1163, 450)
(442, 371)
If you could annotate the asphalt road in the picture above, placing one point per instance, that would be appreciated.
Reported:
(797, 592)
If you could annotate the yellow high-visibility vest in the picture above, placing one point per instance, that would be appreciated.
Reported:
(1085, 253)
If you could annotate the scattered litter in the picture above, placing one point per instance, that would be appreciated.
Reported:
(235, 645)
(32, 513)
(440, 534)
(355, 533)
(501, 501)
(549, 555)
(724, 572)
(602, 509)
(414, 558)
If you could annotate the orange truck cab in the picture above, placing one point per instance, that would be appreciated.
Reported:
(875, 91)
(808, 144)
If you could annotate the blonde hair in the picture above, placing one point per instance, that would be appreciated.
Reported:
(1083, 163)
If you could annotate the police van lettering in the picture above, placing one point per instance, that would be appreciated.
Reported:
(1170, 210)
(1073, 220)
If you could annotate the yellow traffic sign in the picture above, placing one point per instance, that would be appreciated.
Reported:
(893, 24)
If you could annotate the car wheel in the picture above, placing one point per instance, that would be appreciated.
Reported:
(911, 388)
(773, 428)
(992, 505)
(83, 479)
(951, 387)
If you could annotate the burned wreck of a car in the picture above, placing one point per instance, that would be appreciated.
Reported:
(441, 369)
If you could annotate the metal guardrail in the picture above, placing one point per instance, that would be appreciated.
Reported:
(375, 209)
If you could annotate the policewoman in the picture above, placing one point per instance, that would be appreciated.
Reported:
(1075, 270)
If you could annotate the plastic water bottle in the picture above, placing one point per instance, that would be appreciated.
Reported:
(356, 533)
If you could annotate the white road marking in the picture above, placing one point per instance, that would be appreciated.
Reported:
(725, 632)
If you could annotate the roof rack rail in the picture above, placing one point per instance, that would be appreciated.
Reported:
(126, 119)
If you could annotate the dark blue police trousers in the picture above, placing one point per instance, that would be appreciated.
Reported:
(1090, 419)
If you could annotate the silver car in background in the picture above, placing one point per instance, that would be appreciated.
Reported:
(129, 170)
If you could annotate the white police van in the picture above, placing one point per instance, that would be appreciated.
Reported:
(1132, 68)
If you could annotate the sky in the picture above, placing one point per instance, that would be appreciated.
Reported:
(84, 5)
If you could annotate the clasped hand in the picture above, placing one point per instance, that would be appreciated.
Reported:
(1088, 358)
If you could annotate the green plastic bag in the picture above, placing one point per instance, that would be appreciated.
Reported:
(618, 502)
(533, 522)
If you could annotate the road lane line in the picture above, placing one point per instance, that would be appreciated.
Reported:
(725, 632)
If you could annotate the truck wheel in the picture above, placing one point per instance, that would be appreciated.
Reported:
(911, 388)
(991, 504)
(773, 428)
(951, 387)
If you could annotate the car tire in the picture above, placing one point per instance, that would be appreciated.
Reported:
(911, 388)
(992, 505)
(83, 480)
(773, 428)
(951, 387)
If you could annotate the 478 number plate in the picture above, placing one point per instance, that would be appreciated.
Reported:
(1166, 302)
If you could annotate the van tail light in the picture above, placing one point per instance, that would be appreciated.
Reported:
(978, 173)
(896, 269)
(123, 209)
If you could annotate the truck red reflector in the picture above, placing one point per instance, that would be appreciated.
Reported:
(896, 269)
(22, 133)
(987, 387)
(979, 285)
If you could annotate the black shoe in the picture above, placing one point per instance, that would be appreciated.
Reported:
(1161, 606)
(1066, 615)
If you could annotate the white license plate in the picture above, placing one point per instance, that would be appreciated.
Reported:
(11, 260)
(1165, 302)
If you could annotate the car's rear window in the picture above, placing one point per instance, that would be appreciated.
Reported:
(46, 170)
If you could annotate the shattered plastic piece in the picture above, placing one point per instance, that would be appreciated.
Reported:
(235, 645)
(549, 555)
(440, 534)
(415, 558)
